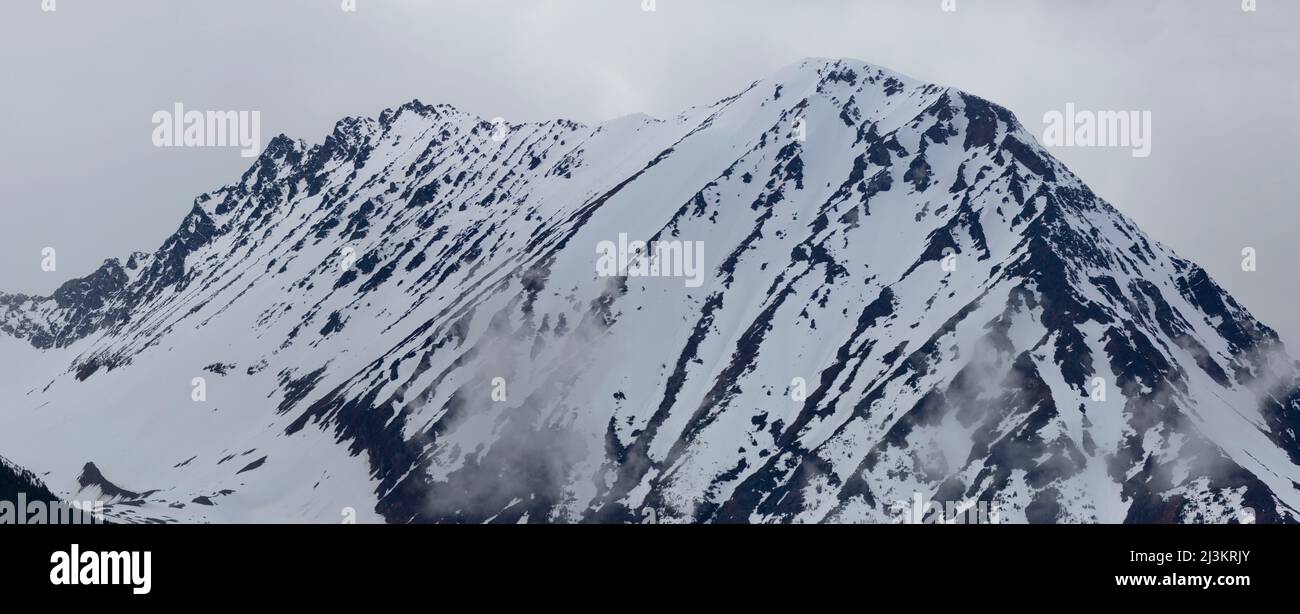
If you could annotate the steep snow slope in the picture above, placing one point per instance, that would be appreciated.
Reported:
(971, 322)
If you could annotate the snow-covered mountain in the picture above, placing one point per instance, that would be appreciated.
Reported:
(903, 295)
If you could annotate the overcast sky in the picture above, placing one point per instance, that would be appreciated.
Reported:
(79, 85)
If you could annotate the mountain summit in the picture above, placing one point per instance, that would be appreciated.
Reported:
(904, 298)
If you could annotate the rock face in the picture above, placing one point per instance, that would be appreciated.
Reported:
(904, 295)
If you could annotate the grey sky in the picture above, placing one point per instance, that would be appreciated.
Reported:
(79, 85)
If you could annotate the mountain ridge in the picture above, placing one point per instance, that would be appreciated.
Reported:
(973, 257)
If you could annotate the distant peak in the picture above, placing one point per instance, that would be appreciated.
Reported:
(388, 116)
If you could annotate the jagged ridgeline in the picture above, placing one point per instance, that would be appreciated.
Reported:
(904, 298)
